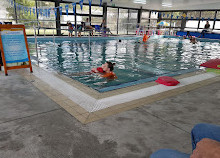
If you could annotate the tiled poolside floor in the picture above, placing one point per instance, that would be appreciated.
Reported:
(88, 105)
(33, 125)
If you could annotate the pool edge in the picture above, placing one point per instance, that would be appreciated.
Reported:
(86, 117)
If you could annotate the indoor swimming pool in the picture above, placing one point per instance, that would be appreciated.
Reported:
(135, 62)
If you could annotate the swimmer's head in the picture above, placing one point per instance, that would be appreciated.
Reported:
(184, 37)
(108, 66)
(193, 39)
(119, 40)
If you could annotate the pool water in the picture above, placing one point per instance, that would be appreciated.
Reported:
(135, 62)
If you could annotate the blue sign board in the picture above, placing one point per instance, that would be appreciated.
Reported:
(14, 45)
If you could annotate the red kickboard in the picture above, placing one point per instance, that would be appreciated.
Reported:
(168, 81)
(213, 63)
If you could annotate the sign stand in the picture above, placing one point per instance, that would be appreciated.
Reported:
(14, 47)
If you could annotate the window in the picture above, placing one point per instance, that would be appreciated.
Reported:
(80, 19)
(202, 24)
(176, 23)
(132, 21)
(112, 16)
(85, 9)
(145, 22)
(177, 15)
(64, 30)
(153, 20)
(208, 14)
(96, 20)
(23, 14)
(47, 31)
(95, 10)
(194, 14)
(70, 9)
(123, 21)
(217, 25)
(64, 19)
(154, 15)
(145, 19)
(218, 15)
(192, 23)
(46, 23)
(46, 5)
(7, 12)
(166, 15)
(153, 23)
(145, 15)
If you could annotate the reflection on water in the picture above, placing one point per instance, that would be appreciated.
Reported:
(134, 61)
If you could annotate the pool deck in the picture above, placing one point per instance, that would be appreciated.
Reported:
(34, 125)
(88, 105)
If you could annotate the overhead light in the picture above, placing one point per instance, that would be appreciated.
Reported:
(167, 3)
(140, 1)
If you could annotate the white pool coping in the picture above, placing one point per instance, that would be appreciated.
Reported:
(92, 104)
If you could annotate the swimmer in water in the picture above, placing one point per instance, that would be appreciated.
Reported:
(106, 70)
(193, 40)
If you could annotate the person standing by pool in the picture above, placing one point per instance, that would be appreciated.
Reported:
(70, 29)
(207, 26)
(188, 34)
(80, 29)
(88, 26)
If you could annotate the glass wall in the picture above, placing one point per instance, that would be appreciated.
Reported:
(132, 21)
(153, 20)
(96, 10)
(123, 21)
(145, 21)
(119, 20)
(7, 12)
(112, 19)
(85, 9)
(193, 20)
(64, 18)
(46, 23)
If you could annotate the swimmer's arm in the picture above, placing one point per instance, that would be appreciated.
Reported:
(80, 74)
(94, 70)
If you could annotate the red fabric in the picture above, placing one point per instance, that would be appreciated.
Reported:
(100, 69)
(168, 81)
(213, 63)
